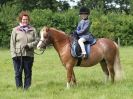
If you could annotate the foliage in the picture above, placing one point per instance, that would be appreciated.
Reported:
(7, 22)
(30, 5)
(65, 21)
(113, 25)
(109, 5)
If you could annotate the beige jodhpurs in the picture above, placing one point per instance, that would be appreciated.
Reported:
(81, 43)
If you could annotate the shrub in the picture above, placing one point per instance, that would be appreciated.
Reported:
(7, 22)
(112, 25)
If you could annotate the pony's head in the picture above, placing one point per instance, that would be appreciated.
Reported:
(44, 41)
(51, 36)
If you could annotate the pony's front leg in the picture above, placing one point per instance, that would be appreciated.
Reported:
(69, 75)
(73, 79)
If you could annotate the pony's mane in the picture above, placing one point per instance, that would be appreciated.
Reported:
(59, 31)
(43, 29)
(54, 29)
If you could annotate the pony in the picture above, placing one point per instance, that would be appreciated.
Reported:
(104, 51)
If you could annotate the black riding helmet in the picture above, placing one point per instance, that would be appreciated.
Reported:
(84, 10)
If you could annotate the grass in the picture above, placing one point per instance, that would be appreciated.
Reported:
(49, 79)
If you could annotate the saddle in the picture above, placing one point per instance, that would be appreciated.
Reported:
(76, 50)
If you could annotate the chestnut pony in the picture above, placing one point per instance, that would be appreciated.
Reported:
(105, 52)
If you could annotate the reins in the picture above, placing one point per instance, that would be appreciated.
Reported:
(21, 48)
(21, 59)
(39, 53)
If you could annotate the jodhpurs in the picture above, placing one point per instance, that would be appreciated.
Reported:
(81, 43)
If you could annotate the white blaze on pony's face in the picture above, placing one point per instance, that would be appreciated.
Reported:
(43, 33)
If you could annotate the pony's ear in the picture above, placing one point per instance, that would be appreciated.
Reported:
(47, 29)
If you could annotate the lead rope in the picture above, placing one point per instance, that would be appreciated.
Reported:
(21, 60)
(39, 53)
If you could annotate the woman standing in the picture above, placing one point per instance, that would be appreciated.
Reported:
(22, 43)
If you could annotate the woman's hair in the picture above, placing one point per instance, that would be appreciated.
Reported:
(21, 14)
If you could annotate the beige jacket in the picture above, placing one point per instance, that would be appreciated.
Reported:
(19, 38)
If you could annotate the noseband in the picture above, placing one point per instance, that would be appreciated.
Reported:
(43, 45)
(43, 42)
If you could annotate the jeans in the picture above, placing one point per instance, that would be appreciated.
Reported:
(23, 63)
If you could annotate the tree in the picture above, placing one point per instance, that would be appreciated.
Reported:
(92, 4)
(63, 5)
(108, 5)
(37, 4)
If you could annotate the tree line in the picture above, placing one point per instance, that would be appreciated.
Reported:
(112, 24)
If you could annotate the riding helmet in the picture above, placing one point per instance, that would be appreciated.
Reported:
(84, 10)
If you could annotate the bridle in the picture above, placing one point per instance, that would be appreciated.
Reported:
(42, 49)
(47, 40)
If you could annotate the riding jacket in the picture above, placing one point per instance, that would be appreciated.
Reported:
(83, 29)
(20, 37)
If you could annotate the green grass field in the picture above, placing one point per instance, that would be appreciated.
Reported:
(49, 79)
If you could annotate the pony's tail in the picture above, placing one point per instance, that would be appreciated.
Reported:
(117, 65)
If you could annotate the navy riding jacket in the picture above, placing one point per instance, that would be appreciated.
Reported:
(83, 29)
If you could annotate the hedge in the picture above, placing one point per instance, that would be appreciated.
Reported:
(112, 25)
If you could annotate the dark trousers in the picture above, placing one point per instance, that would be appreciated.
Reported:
(23, 63)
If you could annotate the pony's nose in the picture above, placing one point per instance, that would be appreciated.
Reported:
(38, 46)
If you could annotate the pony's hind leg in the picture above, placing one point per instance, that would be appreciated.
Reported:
(105, 70)
(111, 71)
